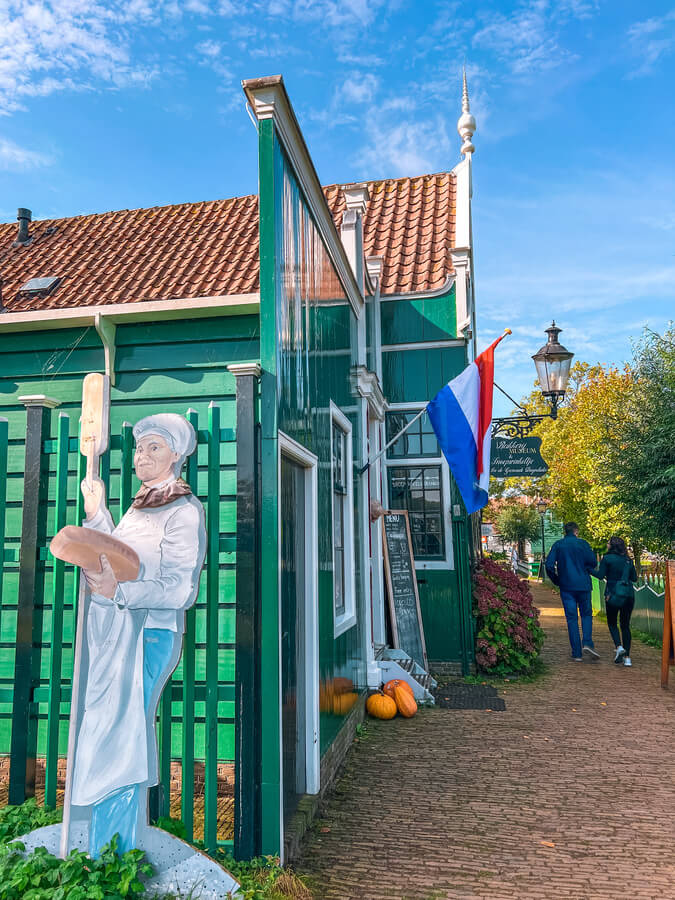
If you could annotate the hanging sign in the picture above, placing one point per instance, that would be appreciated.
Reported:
(404, 601)
(517, 458)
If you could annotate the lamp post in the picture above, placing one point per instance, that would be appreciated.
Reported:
(541, 509)
(552, 362)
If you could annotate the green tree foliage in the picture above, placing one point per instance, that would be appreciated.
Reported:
(518, 523)
(611, 451)
(640, 456)
(576, 448)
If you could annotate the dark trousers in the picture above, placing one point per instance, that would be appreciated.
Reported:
(575, 604)
(624, 613)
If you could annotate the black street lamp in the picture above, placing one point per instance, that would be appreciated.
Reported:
(541, 509)
(553, 368)
(552, 363)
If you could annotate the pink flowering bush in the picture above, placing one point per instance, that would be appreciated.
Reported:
(508, 634)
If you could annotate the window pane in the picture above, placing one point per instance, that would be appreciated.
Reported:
(339, 582)
(418, 489)
(418, 440)
(339, 443)
(339, 480)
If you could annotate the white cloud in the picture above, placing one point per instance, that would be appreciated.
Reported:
(17, 159)
(650, 40)
(199, 7)
(337, 12)
(665, 222)
(526, 40)
(409, 146)
(210, 48)
(359, 88)
(365, 59)
(65, 44)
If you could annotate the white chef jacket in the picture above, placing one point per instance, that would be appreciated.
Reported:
(170, 543)
(116, 745)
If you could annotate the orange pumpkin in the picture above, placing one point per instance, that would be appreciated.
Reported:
(391, 686)
(342, 703)
(405, 703)
(380, 706)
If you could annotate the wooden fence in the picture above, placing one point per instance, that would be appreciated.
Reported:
(196, 710)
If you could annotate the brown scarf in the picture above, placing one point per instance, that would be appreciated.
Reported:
(150, 497)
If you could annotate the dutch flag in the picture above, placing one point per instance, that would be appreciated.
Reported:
(461, 413)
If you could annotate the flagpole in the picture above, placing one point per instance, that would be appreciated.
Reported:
(394, 439)
(414, 419)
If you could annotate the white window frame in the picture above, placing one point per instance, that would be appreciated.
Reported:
(347, 619)
(294, 451)
(448, 562)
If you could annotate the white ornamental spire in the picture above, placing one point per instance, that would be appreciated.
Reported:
(466, 126)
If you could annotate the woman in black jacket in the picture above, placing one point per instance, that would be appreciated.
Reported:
(612, 567)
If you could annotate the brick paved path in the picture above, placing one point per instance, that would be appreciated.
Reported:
(456, 804)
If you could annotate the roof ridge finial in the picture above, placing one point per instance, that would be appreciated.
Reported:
(466, 126)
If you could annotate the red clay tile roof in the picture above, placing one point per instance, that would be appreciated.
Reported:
(411, 223)
(210, 249)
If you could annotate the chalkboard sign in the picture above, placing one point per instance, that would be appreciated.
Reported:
(404, 602)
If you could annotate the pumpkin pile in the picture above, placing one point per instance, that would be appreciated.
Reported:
(395, 697)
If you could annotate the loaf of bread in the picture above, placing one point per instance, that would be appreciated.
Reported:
(83, 547)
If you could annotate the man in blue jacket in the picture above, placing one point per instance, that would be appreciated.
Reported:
(568, 565)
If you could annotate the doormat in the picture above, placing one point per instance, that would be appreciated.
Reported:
(468, 696)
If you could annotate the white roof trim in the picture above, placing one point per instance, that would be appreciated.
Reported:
(420, 295)
(268, 99)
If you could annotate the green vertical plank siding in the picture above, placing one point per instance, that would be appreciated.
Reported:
(316, 352)
(417, 375)
(439, 605)
(4, 437)
(161, 367)
(270, 788)
(126, 467)
(56, 637)
(419, 320)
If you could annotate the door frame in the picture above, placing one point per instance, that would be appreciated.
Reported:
(300, 455)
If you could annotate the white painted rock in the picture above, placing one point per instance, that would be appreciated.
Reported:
(178, 866)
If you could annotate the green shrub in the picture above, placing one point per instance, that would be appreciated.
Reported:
(508, 634)
(41, 876)
(16, 821)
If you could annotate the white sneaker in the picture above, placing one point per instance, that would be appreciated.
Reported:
(627, 661)
(620, 654)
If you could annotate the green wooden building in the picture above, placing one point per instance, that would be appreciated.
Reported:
(299, 330)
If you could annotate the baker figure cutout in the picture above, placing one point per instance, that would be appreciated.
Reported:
(134, 632)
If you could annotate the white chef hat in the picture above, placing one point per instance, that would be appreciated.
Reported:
(176, 431)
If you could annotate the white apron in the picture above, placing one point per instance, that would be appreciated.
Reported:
(112, 749)
(116, 744)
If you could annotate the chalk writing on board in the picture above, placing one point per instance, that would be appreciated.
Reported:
(402, 587)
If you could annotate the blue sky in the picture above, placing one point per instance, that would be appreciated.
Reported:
(106, 105)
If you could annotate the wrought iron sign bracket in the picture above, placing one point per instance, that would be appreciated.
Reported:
(516, 426)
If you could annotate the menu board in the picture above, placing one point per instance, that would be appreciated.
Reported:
(404, 602)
